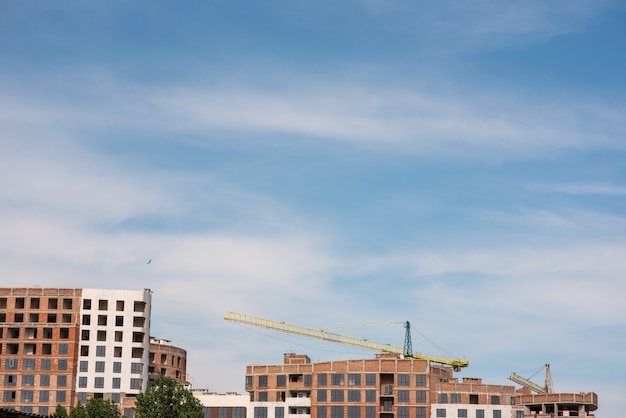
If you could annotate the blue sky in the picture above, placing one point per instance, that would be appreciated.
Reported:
(458, 165)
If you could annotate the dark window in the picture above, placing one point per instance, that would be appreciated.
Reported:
(403, 412)
(462, 413)
(67, 303)
(321, 379)
(354, 396)
(336, 395)
(420, 412)
(321, 412)
(44, 380)
(263, 381)
(60, 396)
(34, 303)
(420, 396)
(99, 366)
(87, 304)
(53, 303)
(45, 364)
(44, 396)
(336, 412)
(404, 380)
(403, 396)
(420, 380)
(281, 380)
(497, 413)
(62, 365)
(64, 333)
(82, 382)
(321, 395)
(370, 396)
(495, 400)
(355, 412)
(63, 348)
(262, 396)
(102, 320)
(28, 380)
(117, 367)
(119, 321)
(442, 398)
(370, 412)
(337, 379)
(441, 412)
(61, 380)
(354, 380)
(98, 382)
(86, 319)
(119, 305)
(116, 383)
(28, 364)
(103, 304)
(83, 366)
(370, 379)
(19, 303)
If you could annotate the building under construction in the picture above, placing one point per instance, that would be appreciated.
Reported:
(394, 384)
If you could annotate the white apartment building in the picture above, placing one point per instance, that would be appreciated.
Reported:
(113, 355)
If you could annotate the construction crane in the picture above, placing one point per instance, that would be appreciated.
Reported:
(546, 388)
(320, 334)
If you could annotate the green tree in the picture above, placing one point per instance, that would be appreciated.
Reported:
(79, 411)
(96, 408)
(100, 408)
(60, 411)
(166, 398)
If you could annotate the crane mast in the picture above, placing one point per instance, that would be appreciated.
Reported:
(320, 334)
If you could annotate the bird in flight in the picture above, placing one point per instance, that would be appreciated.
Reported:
(149, 261)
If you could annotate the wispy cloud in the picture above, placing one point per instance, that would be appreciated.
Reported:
(581, 189)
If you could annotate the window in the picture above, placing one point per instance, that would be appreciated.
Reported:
(45, 364)
(62, 365)
(442, 398)
(403, 396)
(33, 317)
(260, 412)
(27, 395)
(64, 333)
(279, 412)
(321, 395)
(84, 335)
(519, 414)
(117, 351)
(262, 396)
(18, 317)
(354, 396)
(128, 412)
(61, 380)
(248, 381)
(101, 351)
(441, 412)
(473, 399)
(336, 412)
(420, 412)
(480, 413)
(370, 396)
(60, 396)
(115, 397)
(119, 305)
(63, 348)
(281, 380)
(99, 366)
(117, 367)
(28, 364)
(28, 380)
(19, 303)
(238, 412)
(67, 303)
(497, 413)
(420, 380)
(101, 336)
(321, 412)
(43, 410)
(53, 303)
(403, 412)
(336, 395)
(86, 304)
(118, 336)
(420, 396)
(86, 319)
(103, 305)
(3, 303)
(44, 396)
(455, 398)
(119, 321)
(47, 333)
(82, 382)
(138, 338)
(404, 380)
(116, 383)
(139, 306)
(263, 381)
(66, 318)
(370, 412)
(102, 320)
(137, 352)
(139, 322)
(321, 379)
(44, 380)
(307, 379)
(354, 380)
(495, 400)
(336, 379)
(9, 396)
(355, 412)
(370, 379)
(135, 383)
(10, 380)
(462, 413)
(98, 382)
(46, 349)
(136, 368)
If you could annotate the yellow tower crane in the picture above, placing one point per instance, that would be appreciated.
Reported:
(320, 334)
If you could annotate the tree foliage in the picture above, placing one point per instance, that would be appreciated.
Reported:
(166, 398)
(60, 411)
(96, 408)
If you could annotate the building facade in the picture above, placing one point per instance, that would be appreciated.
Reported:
(62, 346)
(387, 386)
(167, 360)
